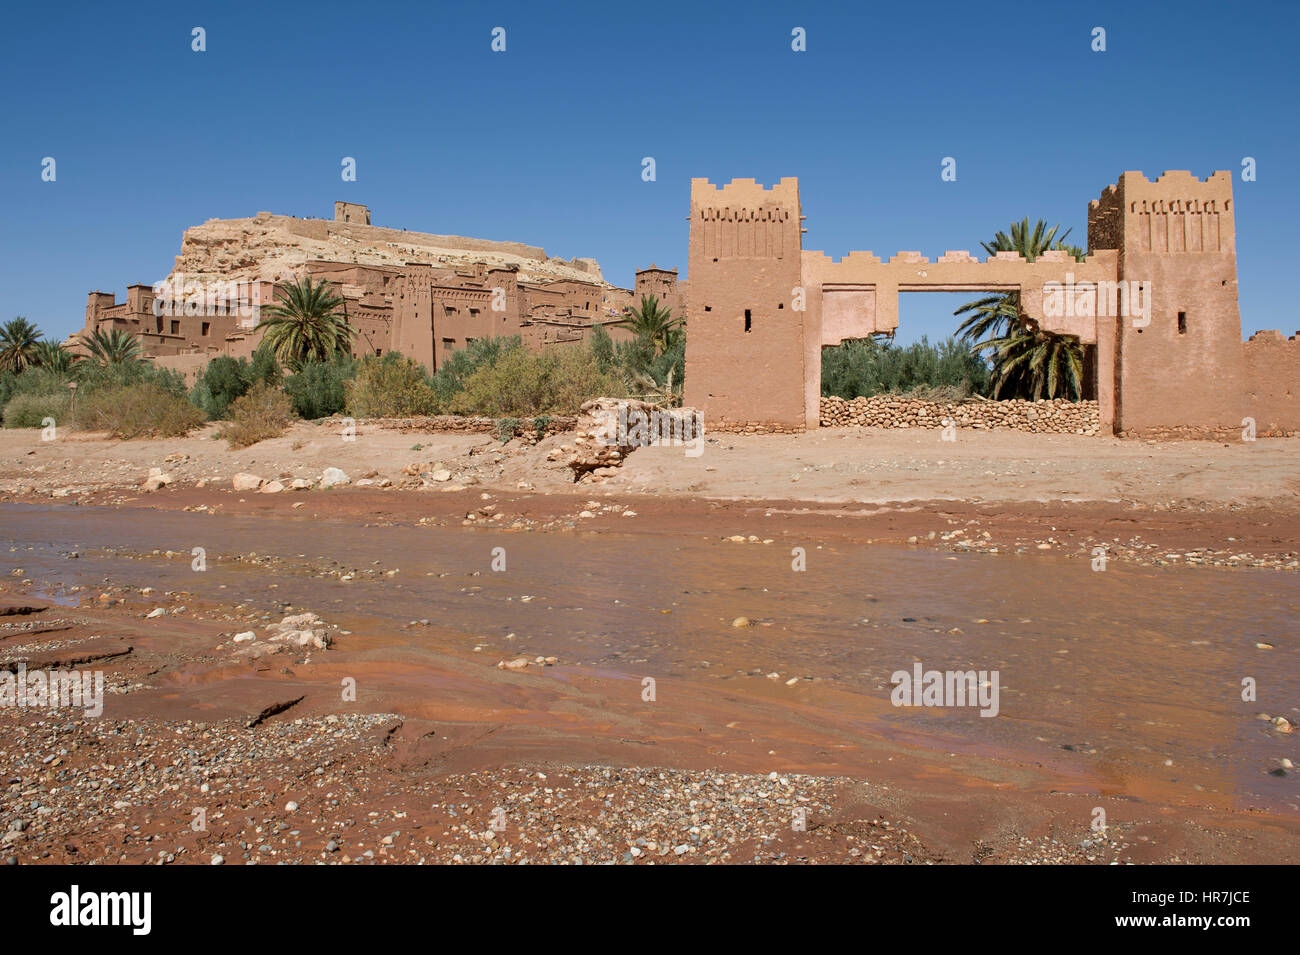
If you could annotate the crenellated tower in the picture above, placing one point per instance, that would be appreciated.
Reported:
(1176, 235)
(746, 347)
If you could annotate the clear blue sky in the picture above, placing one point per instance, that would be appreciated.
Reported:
(543, 144)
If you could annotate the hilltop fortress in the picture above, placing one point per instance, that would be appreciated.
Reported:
(423, 295)
(1154, 302)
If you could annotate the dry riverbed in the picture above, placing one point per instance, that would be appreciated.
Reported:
(501, 717)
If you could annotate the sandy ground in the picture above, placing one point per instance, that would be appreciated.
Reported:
(833, 464)
(450, 758)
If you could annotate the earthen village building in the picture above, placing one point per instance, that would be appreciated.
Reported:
(422, 295)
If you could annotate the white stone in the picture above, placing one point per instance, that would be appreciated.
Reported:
(333, 477)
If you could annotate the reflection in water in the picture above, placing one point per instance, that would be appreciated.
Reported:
(1140, 665)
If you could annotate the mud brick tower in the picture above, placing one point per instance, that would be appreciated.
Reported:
(1175, 234)
(746, 337)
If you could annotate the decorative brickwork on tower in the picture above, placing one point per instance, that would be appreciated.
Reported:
(1156, 295)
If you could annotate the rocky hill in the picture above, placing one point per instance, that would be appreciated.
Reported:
(268, 245)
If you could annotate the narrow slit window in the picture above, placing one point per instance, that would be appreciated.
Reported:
(749, 321)
(1182, 323)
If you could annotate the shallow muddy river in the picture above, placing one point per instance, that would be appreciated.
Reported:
(1132, 676)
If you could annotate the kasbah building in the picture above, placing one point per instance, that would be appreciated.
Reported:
(419, 294)
(1154, 303)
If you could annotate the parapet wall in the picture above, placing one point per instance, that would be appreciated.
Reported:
(1271, 383)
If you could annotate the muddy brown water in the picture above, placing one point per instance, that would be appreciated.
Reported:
(1134, 674)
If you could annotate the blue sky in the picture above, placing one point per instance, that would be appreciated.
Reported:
(543, 143)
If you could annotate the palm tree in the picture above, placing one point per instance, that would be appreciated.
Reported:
(114, 347)
(306, 324)
(1037, 364)
(652, 322)
(1027, 361)
(18, 341)
(55, 357)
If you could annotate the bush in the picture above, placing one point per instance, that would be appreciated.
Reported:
(93, 376)
(868, 367)
(318, 391)
(449, 380)
(265, 412)
(393, 386)
(507, 428)
(223, 380)
(131, 411)
(36, 381)
(30, 411)
(519, 384)
(264, 367)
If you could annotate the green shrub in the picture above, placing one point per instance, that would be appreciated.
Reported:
(540, 424)
(39, 381)
(867, 367)
(507, 428)
(265, 412)
(264, 367)
(225, 378)
(222, 381)
(30, 411)
(318, 390)
(449, 380)
(520, 383)
(393, 386)
(92, 376)
(130, 411)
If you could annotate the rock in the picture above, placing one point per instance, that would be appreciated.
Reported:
(299, 484)
(245, 482)
(519, 663)
(334, 477)
(272, 487)
(246, 637)
(740, 622)
(155, 612)
(157, 478)
(218, 860)
(305, 630)
(291, 806)
(440, 475)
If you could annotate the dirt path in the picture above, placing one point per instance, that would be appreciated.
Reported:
(840, 465)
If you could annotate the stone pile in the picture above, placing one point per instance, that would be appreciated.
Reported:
(596, 449)
(302, 631)
(1054, 416)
